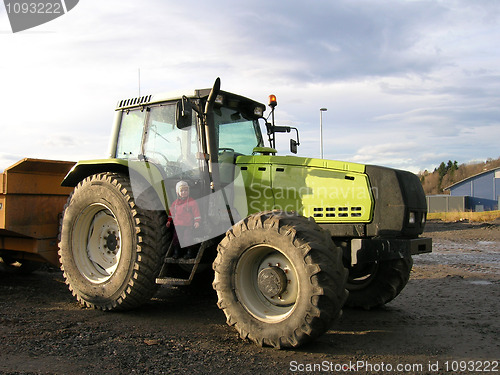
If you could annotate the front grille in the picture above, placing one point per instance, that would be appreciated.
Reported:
(337, 211)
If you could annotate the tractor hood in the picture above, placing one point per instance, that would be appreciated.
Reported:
(330, 191)
(388, 201)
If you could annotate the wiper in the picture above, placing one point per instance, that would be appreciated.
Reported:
(153, 129)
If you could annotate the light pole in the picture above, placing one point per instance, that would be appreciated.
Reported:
(321, 110)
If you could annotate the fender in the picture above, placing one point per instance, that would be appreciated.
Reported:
(85, 168)
(144, 177)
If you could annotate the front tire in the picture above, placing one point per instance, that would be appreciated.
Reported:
(110, 248)
(279, 279)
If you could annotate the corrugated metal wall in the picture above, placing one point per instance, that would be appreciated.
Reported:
(447, 203)
(483, 191)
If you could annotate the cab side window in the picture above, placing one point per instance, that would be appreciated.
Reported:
(130, 137)
(166, 145)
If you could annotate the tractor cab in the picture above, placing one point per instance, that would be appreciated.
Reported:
(193, 138)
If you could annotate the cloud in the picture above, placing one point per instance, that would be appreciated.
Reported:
(423, 74)
(6, 160)
(326, 40)
(60, 141)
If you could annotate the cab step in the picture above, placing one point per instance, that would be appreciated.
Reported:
(165, 279)
(180, 260)
(172, 281)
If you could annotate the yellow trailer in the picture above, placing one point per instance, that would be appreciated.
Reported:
(31, 202)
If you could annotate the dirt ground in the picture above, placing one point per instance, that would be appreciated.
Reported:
(445, 320)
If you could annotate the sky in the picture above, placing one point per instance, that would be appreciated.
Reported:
(406, 83)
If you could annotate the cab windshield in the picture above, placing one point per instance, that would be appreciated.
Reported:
(235, 131)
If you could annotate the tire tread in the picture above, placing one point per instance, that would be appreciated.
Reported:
(323, 265)
(151, 235)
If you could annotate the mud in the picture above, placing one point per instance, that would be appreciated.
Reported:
(446, 319)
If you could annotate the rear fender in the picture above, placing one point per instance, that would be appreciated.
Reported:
(145, 178)
(85, 168)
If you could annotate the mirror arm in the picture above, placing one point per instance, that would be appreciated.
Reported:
(297, 130)
(270, 133)
(281, 129)
(183, 101)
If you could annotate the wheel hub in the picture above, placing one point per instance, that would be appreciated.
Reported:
(266, 283)
(112, 242)
(272, 281)
(97, 243)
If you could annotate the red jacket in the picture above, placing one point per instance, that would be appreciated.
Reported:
(184, 212)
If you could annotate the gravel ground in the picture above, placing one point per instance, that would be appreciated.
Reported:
(446, 318)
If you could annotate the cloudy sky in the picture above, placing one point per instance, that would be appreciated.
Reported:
(407, 84)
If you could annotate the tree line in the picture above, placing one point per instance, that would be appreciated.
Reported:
(451, 172)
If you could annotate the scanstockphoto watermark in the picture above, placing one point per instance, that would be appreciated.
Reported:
(355, 366)
(452, 366)
(26, 14)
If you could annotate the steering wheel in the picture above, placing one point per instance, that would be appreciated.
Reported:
(159, 154)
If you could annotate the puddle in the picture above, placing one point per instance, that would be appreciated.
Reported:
(476, 246)
(479, 256)
(480, 282)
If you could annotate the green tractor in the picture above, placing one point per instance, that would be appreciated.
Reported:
(286, 240)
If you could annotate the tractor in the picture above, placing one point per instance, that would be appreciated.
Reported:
(285, 241)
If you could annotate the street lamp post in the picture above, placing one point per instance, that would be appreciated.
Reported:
(321, 110)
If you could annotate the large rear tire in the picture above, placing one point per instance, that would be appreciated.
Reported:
(374, 284)
(279, 279)
(110, 250)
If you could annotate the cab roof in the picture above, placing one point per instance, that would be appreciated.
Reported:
(165, 97)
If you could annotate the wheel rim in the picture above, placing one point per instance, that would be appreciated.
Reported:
(266, 283)
(361, 276)
(96, 243)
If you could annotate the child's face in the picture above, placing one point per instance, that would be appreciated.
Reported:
(184, 191)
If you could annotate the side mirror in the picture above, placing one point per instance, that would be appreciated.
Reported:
(293, 146)
(183, 113)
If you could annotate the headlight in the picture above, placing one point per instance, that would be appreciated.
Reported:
(258, 111)
(219, 99)
(412, 218)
